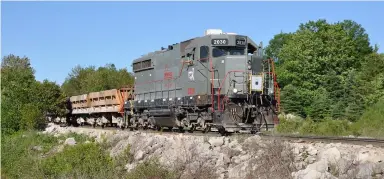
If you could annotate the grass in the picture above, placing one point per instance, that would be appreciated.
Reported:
(369, 125)
(25, 155)
(18, 157)
(372, 121)
(326, 127)
(151, 169)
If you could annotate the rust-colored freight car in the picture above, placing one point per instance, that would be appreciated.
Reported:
(100, 108)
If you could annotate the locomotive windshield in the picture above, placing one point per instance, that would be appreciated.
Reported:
(223, 51)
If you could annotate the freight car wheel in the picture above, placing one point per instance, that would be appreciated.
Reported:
(181, 129)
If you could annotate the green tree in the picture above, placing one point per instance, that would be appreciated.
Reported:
(89, 79)
(325, 56)
(49, 98)
(17, 78)
(24, 100)
(276, 44)
(371, 78)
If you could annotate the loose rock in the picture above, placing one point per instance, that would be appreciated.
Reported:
(70, 141)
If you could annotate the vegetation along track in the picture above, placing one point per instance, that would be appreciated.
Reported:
(265, 136)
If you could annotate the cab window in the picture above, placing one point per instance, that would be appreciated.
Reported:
(204, 52)
(236, 52)
(218, 52)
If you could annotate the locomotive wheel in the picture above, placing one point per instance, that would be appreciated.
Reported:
(222, 131)
(206, 129)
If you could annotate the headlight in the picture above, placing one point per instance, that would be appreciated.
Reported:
(234, 90)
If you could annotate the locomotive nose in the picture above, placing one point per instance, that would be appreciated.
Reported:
(235, 68)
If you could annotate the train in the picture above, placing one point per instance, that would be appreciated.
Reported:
(218, 82)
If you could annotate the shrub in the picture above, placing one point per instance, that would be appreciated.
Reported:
(325, 127)
(25, 156)
(371, 123)
(308, 126)
(19, 159)
(151, 169)
(330, 127)
(275, 161)
(288, 126)
(81, 160)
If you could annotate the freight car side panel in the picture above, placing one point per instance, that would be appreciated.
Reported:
(104, 101)
(79, 104)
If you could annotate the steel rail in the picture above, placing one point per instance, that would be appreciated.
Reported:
(265, 136)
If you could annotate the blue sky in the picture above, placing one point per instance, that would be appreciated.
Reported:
(57, 36)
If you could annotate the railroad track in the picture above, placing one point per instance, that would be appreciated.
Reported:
(264, 136)
(328, 139)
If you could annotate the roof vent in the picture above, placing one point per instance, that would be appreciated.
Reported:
(213, 31)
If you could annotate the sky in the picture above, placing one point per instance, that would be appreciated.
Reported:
(57, 36)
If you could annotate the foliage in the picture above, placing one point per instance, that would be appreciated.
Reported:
(31, 117)
(320, 67)
(326, 127)
(151, 169)
(49, 97)
(84, 160)
(371, 122)
(25, 100)
(276, 44)
(17, 78)
(89, 79)
(19, 159)
(288, 126)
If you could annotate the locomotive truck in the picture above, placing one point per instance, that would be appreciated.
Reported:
(216, 82)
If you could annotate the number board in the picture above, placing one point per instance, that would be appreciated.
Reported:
(240, 42)
(219, 41)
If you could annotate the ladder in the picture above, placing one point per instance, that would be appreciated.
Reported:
(271, 87)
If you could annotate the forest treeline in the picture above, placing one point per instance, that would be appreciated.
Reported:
(25, 101)
(326, 71)
(83, 80)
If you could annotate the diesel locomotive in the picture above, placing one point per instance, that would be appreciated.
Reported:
(216, 82)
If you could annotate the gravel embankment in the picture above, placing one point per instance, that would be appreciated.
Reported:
(229, 157)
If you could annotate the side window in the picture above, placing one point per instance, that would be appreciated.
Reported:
(204, 52)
